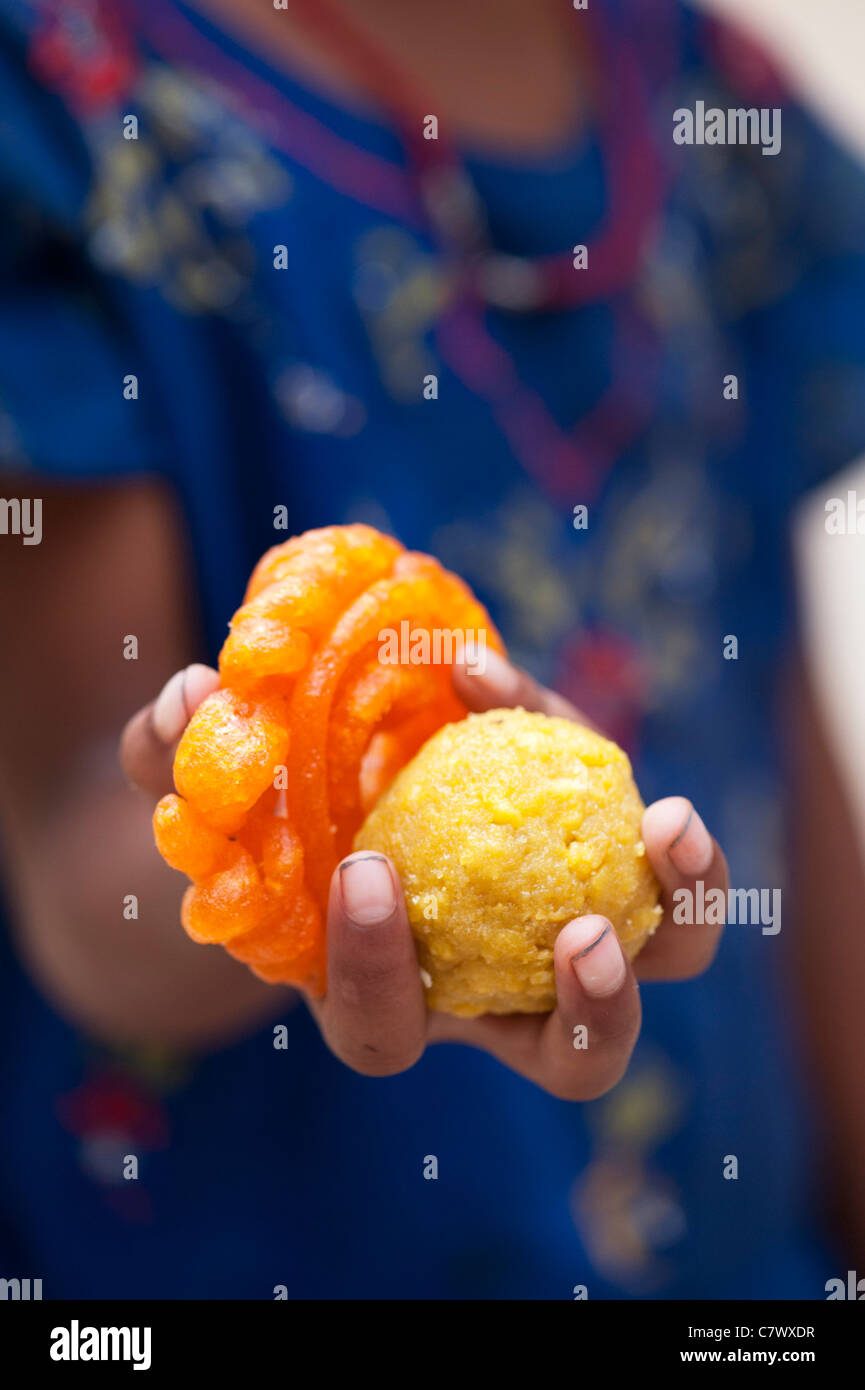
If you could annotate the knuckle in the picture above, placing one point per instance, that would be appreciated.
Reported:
(619, 1036)
(529, 693)
(605, 1079)
(683, 957)
(698, 963)
(564, 1090)
(373, 977)
(587, 1086)
(370, 1060)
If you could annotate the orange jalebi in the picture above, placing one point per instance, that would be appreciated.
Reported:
(277, 769)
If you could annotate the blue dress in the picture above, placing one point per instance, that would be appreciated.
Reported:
(255, 258)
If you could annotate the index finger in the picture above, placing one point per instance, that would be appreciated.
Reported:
(582, 1048)
(686, 859)
(373, 1016)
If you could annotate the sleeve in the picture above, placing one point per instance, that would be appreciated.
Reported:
(811, 340)
(794, 270)
(68, 405)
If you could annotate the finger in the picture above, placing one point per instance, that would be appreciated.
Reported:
(582, 1049)
(147, 743)
(484, 680)
(587, 1042)
(374, 1016)
(684, 855)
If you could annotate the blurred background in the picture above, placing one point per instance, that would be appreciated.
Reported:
(823, 45)
(267, 384)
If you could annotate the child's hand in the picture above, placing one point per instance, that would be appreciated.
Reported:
(374, 1017)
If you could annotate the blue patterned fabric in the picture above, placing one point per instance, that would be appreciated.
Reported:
(302, 387)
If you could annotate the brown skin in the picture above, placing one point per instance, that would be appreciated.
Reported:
(113, 561)
(527, 96)
(826, 959)
(78, 839)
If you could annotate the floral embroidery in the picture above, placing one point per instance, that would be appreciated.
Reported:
(80, 48)
(628, 1213)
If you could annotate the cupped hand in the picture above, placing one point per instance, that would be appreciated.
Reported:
(373, 1015)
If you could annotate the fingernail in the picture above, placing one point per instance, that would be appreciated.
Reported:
(600, 966)
(476, 656)
(169, 711)
(367, 889)
(691, 851)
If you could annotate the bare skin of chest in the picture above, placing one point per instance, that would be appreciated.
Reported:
(504, 74)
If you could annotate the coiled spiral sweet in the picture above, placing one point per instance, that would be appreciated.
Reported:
(277, 769)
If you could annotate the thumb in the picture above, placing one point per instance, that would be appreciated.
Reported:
(148, 742)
